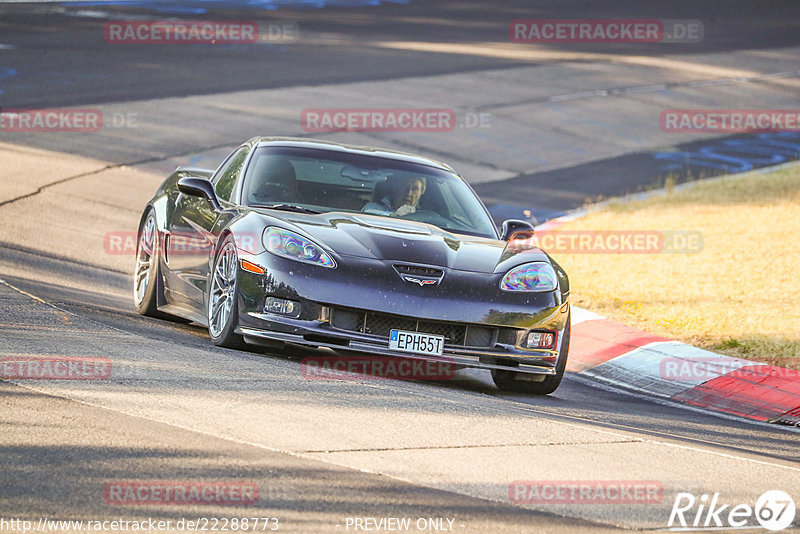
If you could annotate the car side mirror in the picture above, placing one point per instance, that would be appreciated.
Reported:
(199, 187)
(514, 226)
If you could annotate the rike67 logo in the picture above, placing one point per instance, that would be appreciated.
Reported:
(774, 510)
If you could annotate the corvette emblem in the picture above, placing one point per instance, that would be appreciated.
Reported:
(420, 281)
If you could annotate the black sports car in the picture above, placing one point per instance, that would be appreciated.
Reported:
(356, 249)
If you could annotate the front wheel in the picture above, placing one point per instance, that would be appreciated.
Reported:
(223, 309)
(147, 276)
(509, 381)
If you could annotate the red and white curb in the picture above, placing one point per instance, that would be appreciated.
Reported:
(624, 356)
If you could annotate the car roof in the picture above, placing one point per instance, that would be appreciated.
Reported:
(352, 149)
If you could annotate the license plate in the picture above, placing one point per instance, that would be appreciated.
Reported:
(416, 342)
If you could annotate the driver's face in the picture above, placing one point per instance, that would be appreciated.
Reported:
(407, 193)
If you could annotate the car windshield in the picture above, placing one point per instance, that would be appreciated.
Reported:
(316, 180)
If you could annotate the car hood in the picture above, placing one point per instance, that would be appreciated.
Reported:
(383, 238)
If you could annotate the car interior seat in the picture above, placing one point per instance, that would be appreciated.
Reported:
(276, 181)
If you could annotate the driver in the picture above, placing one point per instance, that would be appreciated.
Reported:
(404, 193)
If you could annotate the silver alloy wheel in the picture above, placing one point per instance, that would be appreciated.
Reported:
(145, 259)
(223, 290)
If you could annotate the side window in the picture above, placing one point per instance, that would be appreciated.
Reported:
(226, 177)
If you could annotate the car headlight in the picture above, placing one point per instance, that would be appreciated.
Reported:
(290, 245)
(536, 277)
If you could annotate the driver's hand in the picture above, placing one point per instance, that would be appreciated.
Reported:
(404, 210)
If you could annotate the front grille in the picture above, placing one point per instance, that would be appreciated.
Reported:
(380, 324)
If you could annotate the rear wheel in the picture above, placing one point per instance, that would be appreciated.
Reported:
(510, 381)
(223, 309)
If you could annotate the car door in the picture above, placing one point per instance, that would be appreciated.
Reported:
(190, 242)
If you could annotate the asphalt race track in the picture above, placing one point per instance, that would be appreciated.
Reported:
(541, 129)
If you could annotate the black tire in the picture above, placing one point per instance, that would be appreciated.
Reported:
(147, 272)
(508, 381)
(222, 330)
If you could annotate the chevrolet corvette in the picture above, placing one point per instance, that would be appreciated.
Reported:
(355, 249)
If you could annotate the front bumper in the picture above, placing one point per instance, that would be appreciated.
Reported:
(467, 299)
(463, 358)
(261, 327)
